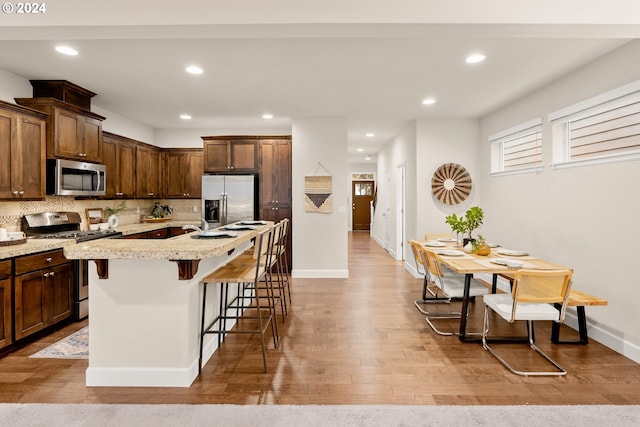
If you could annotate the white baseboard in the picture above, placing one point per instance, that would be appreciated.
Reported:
(320, 274)
(141, 377)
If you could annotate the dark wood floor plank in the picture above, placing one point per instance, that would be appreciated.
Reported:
(350, 341)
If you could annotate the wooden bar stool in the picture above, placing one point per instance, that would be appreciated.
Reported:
(260, 309)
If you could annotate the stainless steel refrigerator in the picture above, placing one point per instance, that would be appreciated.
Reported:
(229, 198)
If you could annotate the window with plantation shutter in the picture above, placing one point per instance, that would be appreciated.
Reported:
(518, 148)
(604, 128)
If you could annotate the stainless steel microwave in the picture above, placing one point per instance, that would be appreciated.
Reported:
(72, 178)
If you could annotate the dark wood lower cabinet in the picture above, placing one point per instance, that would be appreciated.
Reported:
(6, 337)
(44, 296)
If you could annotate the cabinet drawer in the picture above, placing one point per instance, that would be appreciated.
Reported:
(5, 269)
(158, 234)
(40, 260)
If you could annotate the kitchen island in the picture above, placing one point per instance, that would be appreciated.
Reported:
(144, 305)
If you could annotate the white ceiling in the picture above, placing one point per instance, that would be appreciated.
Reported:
(373, 74)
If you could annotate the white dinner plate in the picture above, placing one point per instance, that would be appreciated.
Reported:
(434, 244)
(447, 239)
(511, 263)
(239, 227)
(509, 252)
(451, 252)
(217, 233)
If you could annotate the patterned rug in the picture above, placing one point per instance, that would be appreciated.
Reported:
(75, 346)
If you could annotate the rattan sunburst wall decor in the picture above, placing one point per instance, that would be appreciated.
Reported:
(451, 184)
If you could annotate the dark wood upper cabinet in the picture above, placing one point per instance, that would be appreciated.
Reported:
(22, 153)
(183, 173)
(148, 172)
(119, 157)
(72, 133)
(230, 154)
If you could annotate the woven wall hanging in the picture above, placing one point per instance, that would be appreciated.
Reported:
(318, 191)
(451, 184)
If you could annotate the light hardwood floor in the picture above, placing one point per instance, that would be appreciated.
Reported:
(348, 341)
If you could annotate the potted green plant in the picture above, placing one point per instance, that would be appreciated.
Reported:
(161, 211)
(112, 214)
(466, 224)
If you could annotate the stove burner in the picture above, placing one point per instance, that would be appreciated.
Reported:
(80, 236)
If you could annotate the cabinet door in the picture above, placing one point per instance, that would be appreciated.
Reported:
(243, 156)
(275, 173)
(8, 121)
(6, 337)
(30, 303)
(194, 175)
(110, 160)
(66, 134)
(32, 148)
(126, 169)
(216, 156)
(91, 142)
(147, 173)
(60, 304)
(175, 175)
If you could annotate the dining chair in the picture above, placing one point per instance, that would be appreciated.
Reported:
(451, 286)
(415, 249)
(533, 297)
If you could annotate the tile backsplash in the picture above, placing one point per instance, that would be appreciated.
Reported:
(11, 212)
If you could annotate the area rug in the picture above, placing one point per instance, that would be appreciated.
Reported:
(75, 346)
(100, 415)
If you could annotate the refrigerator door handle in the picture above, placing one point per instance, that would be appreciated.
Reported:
(223, 209)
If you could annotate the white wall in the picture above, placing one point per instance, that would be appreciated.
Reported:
(582, 217)
(13, 86)
(443, 141)
(320, 240)
(124, 126)
(192, 138)
(402, 150)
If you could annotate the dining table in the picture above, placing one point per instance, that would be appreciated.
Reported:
(500, 262)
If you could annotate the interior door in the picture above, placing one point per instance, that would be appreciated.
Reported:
(361, 196)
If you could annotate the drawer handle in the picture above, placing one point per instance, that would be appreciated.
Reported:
(46, 274)
(53, 273)
(49, 259)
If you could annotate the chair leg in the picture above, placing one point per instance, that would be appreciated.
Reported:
(202, 334)
(559, 372)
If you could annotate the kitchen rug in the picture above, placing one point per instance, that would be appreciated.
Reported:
(75, 346)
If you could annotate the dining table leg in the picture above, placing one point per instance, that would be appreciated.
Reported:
(465, 307)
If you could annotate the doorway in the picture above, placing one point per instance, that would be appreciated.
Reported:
(361, 196)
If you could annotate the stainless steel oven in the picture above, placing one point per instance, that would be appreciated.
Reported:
(66, 225)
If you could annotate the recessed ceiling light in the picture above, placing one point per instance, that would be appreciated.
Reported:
(429, 101)
(370, 135)
(185, 116)
(66, 50)
(475, 58)
(368, 158)
(267, 116)
(193, 69)
(360, 150)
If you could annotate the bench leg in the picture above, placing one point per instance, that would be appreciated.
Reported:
(582, 329)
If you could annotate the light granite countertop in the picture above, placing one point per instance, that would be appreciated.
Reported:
(200, 245)
(182, 247)
(33, 246)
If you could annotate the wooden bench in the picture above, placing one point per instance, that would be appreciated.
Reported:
(579, 300)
